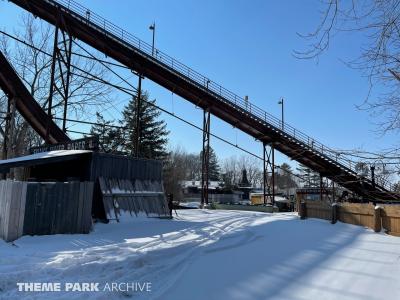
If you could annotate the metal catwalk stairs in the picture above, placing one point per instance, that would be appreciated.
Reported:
(201, 91)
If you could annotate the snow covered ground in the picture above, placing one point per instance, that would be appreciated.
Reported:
(205, 254)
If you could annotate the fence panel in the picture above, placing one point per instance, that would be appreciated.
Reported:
(319, 210)
(391, 219)
(12, 207)
(53, 208)
(357, 214)
(383, 216)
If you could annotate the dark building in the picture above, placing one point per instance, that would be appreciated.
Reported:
(116, 183)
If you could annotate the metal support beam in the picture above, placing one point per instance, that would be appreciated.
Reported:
(138, 117)
(205, 158)
(269, 173)
(68, 54)
(7, 130)
(321, 184)
(264, 174)
(62, 55)
(273, 174)
(11, 133)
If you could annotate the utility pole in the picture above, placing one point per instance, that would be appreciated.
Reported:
(281, 102)
(153, 28)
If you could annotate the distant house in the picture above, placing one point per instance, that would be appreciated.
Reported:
(191, 190)
(194, 186)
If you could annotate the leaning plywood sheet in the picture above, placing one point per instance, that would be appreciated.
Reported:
(136, 196)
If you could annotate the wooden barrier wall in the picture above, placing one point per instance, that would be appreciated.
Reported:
(376, 218)
(28, 208)
(53, 208)
(356, 214)
(12, 209)
(391, 219)
(319, 210)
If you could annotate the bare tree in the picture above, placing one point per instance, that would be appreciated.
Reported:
(379, 59)
(233, 167)
(180, 166)
(33, 65)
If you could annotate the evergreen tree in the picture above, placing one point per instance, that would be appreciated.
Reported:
(110, 138)
(310, 177)
(214, 169)
(284, 177)
(153, 133)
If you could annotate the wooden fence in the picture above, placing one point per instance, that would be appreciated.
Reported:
(391, 219)
(357, 214)
(319, 210)
(44, 208)
(368, 215)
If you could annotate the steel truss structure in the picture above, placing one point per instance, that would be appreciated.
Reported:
(269, 173)
(128, 50)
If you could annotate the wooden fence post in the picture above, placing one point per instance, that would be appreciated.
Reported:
(334, 213)
(303, 211)
(377, 219)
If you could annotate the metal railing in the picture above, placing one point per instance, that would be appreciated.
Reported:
(120, 35)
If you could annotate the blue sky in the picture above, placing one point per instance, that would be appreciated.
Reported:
(247, 47)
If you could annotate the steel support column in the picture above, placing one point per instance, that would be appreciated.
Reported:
(138, 117)
(205, 158)
(9, 130)
(6, 137)
(269, 173)
(264, 174)
(62, 55)
(68, 54)
(321, 184)
(52, 80)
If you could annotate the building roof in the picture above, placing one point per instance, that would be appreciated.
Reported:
(197, 184)
(42, 158)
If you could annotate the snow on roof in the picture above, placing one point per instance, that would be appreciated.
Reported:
(197, 183)
(43, 155)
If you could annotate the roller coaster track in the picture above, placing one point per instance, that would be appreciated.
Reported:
(166, 71)
(26, 105)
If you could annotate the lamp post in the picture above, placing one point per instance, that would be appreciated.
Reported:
(283, 121)
(152, 27)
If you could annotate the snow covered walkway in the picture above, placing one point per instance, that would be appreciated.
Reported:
(211, 255)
